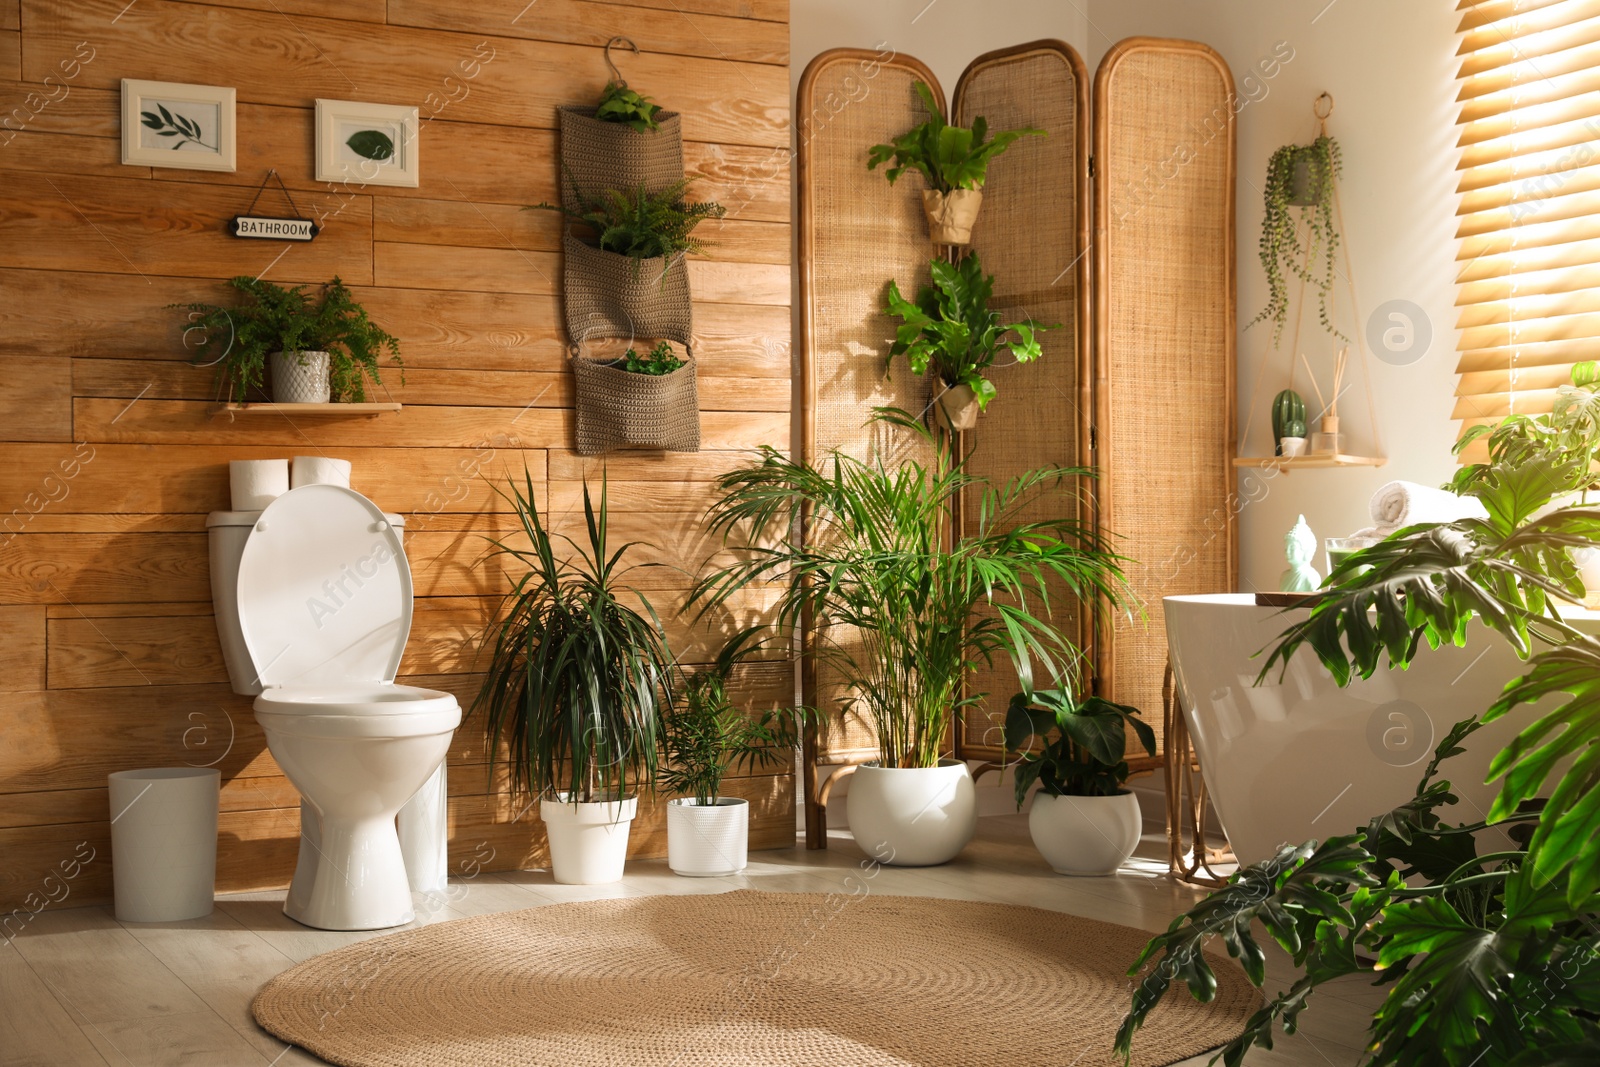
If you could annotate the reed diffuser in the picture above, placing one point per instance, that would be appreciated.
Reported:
(1328, 441)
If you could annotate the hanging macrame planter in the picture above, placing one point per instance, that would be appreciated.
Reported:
(621, 409)
(612, 295)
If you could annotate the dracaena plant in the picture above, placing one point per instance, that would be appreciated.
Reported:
(704, 733)
(947, 157)
(952, 330)
(1489, 956)
(888, 594)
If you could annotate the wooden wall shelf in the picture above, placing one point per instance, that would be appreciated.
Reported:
(369, 411)
(1309, 462)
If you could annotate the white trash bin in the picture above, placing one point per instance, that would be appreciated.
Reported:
(164, 842)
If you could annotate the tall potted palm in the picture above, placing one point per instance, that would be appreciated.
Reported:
(888, 598)
(578, 670)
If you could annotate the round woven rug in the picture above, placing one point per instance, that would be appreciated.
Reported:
(742, 979)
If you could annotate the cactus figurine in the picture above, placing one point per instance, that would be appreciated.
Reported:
(1288, 418)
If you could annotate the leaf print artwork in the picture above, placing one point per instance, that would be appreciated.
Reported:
(371, 144)
(180, 128)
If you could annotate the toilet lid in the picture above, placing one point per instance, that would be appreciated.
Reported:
(324, 590)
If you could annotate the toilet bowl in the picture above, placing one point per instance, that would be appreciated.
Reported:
(323, 608)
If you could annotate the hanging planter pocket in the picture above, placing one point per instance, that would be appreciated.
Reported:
(619, 408)
(609, 155)
(612, 295)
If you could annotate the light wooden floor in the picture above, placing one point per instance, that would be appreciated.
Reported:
(77, 987)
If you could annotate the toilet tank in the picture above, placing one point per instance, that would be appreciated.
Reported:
(227, 531)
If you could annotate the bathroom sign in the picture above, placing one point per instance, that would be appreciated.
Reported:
(273, 229)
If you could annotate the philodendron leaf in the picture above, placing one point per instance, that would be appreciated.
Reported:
(371, 144)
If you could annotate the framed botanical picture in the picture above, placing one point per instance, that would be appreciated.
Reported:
(367, 144)
(165, 124)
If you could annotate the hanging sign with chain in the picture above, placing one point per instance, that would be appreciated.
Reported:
(273, 228)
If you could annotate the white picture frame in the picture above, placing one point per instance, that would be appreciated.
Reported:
(345, 155)
(168, 124)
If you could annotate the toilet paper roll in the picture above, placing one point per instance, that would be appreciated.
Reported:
(255, 483)
(319, 470)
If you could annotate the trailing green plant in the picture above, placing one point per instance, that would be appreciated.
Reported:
(620, 104)
(704, 734)
(1489, 954)
(1288, 418)
(947, 157)
(952, 330)
(888, 595)
(577, 673)
(1086, 758)
(660, 360)
(238, 339)
(640, 224)
(1299, 173)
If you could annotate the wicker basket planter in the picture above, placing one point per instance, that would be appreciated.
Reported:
(622, 409)
(612, 295)
(608, 155)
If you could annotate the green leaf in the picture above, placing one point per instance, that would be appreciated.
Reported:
(371, 144)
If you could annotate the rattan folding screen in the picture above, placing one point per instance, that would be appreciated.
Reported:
(1138, 381)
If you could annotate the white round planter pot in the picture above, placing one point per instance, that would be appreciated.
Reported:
(708, 840)
(588, 842)
(1085, 835)
(300, 378)
(912, 817)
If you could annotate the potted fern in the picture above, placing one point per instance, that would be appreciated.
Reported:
(952, 331)
(703, 735)
(953, 160)
(320, 348)
(578, 669)
(890, 602)
(653, 229)
(1298, 197)
(1084, 821)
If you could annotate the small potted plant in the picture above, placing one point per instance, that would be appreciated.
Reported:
(953, 160)
(1299, 235)
(620, 104)
(321, 348)
(648, 401)
(1083, 822)
(1288, 424)
(654, 230)
(578, 668)
(703, 734)
(952, 330)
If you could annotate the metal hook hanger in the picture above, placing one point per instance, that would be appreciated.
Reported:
(616, 75)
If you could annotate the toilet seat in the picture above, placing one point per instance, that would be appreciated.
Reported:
(383, 710)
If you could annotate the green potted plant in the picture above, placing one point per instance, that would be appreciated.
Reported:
(1083, 821)
(321, 348)
(1482, 925)
(620, 104)
(1299, 192)
(654, 229)
(578, 669)
(703, 735)
(889, 598)
(952, 330)
(657, 363)
(953, 160)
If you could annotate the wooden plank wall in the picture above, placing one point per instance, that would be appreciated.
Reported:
(111, 458)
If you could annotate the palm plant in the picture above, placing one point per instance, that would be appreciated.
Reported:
(704, 733)
(889, 596)
(1490, 957)
(576, 673)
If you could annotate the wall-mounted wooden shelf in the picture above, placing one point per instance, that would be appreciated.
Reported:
(1284, 463)
(340, 410)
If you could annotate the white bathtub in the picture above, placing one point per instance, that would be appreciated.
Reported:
(1305, 759)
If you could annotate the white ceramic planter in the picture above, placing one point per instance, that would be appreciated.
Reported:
(300, 378)
(1085, 835)
(912, 817)
(588, 842)
(708, 840)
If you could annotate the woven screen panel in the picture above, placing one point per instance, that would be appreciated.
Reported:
(1032, 236)
(856, 233)
(1164, 262)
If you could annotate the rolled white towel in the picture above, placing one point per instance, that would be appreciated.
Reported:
(1407, 503)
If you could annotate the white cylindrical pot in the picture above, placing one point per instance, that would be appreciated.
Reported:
(708, 840)
(300, 378)
(164, 843)
(424, 829)
(1085, 835)
(588, 842)
(912, 817)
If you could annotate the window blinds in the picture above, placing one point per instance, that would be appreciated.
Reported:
(1529, 276)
